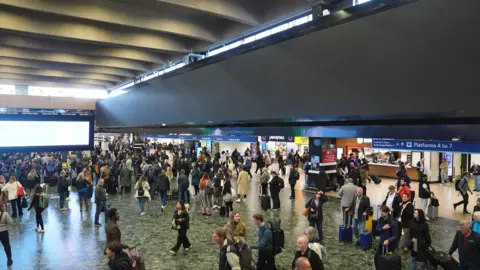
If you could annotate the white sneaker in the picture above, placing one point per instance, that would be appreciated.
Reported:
(37, 229)
(238, 201)
(67, 199)
(214, 207)
(41, 231)
(142, 214)
(187, 205)
(426, 218)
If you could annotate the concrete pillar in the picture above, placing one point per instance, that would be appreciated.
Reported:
(434, 166)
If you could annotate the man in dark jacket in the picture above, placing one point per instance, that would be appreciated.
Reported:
(100, 201)
(112, 230)
(266, 256)
(304, 251)
(183, 184)
(468, 244)
(275, 186)
(163, 184)
(118, 260)
(292, 180)
(392, 201)
(389, 233)
(359, 209)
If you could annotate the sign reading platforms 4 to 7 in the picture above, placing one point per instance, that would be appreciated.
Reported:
(426, 146)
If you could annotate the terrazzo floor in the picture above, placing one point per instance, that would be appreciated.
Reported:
(72, 242)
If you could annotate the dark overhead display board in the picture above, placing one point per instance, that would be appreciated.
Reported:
(410, 59)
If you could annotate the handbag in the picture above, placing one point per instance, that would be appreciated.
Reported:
(24, 203)
(306, 211)
(20, 191)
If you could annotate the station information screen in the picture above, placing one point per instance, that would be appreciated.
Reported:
(44, 133)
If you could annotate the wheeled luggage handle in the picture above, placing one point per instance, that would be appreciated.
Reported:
(346, 217)
(385, 249)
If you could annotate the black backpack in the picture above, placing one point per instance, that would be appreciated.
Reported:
(278, 235)
(151, 174)
(244, 254)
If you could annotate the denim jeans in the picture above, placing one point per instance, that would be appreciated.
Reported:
(62, 199)
(444, 177)
(163, 196)
(476, 179)
(101, 207)
(183, 195)
(358, 226)
(141, 201)
(423, 265)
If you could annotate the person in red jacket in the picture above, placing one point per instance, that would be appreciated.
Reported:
(403, 189)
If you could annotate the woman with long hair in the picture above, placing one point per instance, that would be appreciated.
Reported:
(15, 201)
(313, 241)
(142, 193)
(5, 220)
(89, 194)
(181, 223)
(419, 240)
(235, 227)
(35, 203)
(206, 191)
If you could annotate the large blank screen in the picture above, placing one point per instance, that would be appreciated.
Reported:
(44, 133)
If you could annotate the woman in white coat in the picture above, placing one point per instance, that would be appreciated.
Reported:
(15, 201)
(142, 193)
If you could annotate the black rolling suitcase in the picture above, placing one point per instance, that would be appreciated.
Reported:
(265, 202)
(441, 259)
(377, 180)
(389, 260)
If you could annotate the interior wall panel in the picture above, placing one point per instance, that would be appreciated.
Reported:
(405, 60)
(40, 102)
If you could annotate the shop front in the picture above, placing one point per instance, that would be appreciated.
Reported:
(387, 155)
(283, 144)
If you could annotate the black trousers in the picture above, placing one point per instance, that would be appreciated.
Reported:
(182, 239)
(266, 260)
(39, 218)
(228, 208)
(464, 201)
(6, 244)
(275, 199)
(264, 189)
(16, 204)
(197, 189)
(292, 191)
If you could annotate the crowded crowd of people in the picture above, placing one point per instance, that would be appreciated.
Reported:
(171, 172)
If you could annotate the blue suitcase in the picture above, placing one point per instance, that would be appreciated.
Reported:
(366, 240)
(345, 233)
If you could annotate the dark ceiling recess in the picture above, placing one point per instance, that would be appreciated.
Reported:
(408, 60)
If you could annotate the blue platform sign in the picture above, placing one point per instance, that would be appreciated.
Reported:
(250, 139)
(427, 146)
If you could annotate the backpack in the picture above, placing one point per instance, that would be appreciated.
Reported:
(32, 176)
(136, 260)
(244, 255)
(281, 184)
(141, 190)
(248, 163)
(278, 235)
(296, 175)
(151, 174)
(457, 184)
(43, 201)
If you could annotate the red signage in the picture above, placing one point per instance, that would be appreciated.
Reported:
(329, 155)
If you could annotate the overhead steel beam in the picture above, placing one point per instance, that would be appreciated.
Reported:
(35, 78)
(50, 84)
(121, 14)
(15, 62)
(66, 28)
(227, 9)
(45, 44)
(74, 59)
(60, 74)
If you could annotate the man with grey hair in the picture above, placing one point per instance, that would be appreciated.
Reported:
(302, 263)
(468, 244)
(303, 251)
